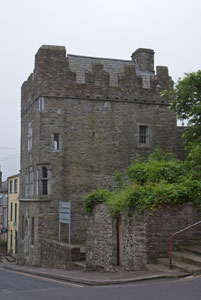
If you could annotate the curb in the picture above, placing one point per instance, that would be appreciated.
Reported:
(91, 282)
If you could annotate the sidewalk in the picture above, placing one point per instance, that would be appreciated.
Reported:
(91, 278)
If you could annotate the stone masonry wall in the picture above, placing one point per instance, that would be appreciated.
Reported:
(145, 237)
(58, 255)
(101, 246)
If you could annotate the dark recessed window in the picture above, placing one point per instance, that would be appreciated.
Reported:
(11, 186)
(44, 187)
(44, 172)
(15, 186)
(143, 134)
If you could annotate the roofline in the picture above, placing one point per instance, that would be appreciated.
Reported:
(101, 58)
(12, 176)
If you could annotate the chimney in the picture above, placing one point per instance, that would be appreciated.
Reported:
(144, 59)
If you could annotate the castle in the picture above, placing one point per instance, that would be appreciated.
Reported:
(82, 119)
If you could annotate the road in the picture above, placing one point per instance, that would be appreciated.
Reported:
(17, 286)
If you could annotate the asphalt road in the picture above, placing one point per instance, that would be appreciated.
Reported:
(17, 286)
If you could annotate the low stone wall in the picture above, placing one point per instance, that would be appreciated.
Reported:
(145, 237)
(58, 255)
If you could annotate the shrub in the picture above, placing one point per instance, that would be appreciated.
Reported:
(162, 180)
(154, 171)
(94, 198)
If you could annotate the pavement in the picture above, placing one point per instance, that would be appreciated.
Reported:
(91, 278)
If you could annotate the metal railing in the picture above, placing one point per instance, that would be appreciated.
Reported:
(174, 235)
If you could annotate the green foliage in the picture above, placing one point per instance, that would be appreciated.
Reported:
(159, 166)
(94, 198)
(161, 180)
(119, 202)
(187, 105)
(2, 242)
(154, 196)
(193, 160)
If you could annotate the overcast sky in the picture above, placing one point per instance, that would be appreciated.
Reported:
(100, 28)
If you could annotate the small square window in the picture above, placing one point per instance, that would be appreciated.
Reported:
(143, 134)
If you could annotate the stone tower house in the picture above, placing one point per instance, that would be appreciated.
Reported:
(82, 119)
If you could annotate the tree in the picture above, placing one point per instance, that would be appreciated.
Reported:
(187, 105)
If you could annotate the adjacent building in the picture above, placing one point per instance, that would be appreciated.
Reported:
(82, 119)
(13, 213)
(3, 208)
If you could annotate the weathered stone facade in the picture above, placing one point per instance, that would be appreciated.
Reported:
(145, 237)
(81, 120)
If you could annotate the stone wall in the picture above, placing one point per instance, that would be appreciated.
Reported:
(58, 255)
(145, 237)
(101, 245)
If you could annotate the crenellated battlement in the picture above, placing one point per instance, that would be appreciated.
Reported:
(59, 74)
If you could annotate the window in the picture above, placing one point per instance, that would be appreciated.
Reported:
(11, 239)
(32, 231)
(11, 211)
(41, 104)
(15, 212)
(56, 141)
(43, 186)
(30, 136)
(29, 183)
(15, 241)
(15, 186)
(143, 134)
(44, 172)
(11, 187)
(44, 181)
(22, 227)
